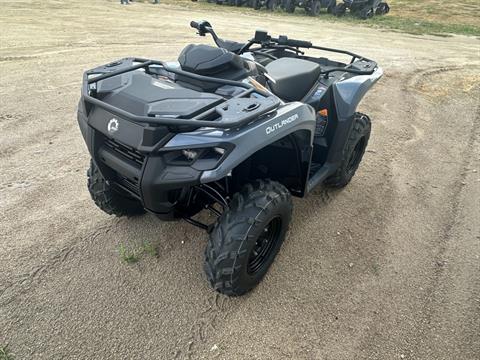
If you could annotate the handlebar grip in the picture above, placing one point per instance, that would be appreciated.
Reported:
(194, 25)
(299, 43)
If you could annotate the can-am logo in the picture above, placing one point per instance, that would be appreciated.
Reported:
(279, 124)
(112, 126)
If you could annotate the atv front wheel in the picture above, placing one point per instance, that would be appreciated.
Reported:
(256, 4)
(109, 199)
(271, 5)
(353, 152)
(340, 9)
(247, 237)
(366, 13)
(331, 7)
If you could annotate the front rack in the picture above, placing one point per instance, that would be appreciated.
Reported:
(228, 112)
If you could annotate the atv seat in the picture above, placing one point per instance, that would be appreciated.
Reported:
(213, 62)
(293, 78)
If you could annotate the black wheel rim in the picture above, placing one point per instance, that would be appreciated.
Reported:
(356, 155)
(264, 245)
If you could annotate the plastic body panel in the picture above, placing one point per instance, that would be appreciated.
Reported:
(347, 94)
(249, 139)
(158, 179)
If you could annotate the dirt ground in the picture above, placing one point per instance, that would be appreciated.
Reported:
(388, 268)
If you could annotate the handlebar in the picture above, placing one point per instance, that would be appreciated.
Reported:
(194, 24)
(203, 27)
(262, 37)
(266, 41)
(283, 40)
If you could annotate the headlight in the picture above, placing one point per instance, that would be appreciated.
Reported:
(199, 159)
(190, 154)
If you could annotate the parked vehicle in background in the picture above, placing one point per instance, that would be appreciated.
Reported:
(362, 8)
(365, 9)
(269, 4)
(312, 7)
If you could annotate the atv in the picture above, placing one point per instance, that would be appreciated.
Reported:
(221, 2)
(365, 9)
(243, 2)
(230, 2)
(312, 7)
(269, 4)
(235, 130)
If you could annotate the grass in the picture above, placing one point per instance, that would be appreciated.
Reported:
(465, 13)
(132, 254)
(128, 254)
(5, 353)
(434, 17)
(149, 248)
(414, 25)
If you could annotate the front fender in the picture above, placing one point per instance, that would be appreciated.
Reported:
(249, 139)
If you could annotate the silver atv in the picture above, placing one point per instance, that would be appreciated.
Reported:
(236, 130)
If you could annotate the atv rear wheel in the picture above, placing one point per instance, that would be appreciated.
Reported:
(109, 199)
(353, 152)
(247, 237)
(315, 8)
(382, 9)
(289, 6)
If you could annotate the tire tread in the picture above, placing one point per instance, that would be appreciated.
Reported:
(361, 128)
(107, 199)
(224, 252)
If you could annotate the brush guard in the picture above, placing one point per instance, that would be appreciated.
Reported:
(237, 111)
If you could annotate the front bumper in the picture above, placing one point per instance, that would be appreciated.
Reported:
(129, 160)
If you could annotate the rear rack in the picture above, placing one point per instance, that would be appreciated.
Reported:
(326, 72)
(237, 111)
(354, 57)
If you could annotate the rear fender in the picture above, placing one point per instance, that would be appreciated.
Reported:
(349, 92)
(347, 95)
